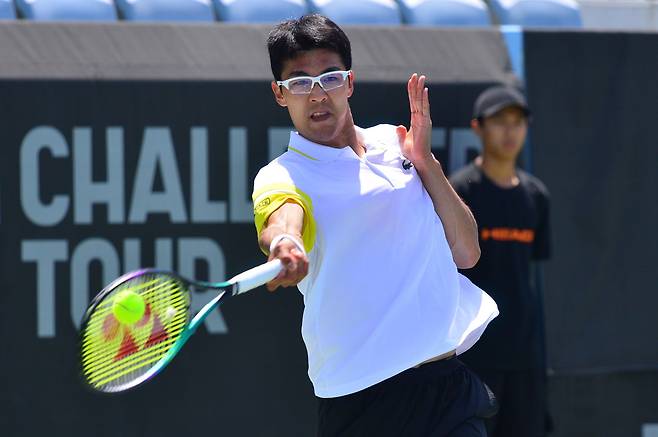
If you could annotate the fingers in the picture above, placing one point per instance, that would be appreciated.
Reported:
(420, 86)
(411, 90)
(418, 95)
(426, 101)
(295, 266)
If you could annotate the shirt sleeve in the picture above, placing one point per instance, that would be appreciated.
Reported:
(270, 192)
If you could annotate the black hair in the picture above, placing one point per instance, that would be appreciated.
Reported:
(309, 32)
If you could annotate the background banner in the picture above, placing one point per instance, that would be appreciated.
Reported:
(594, 145)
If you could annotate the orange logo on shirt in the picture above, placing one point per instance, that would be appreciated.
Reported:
(508, 234)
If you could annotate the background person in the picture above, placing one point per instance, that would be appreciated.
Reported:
(512, 211)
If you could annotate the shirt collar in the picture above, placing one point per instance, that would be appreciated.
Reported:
(318, 152)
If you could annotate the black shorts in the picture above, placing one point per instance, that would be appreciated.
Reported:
(437, 399)
(522, 398)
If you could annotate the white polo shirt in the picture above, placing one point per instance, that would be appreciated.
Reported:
(383, 293)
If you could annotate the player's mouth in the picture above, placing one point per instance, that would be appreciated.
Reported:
(320, 115)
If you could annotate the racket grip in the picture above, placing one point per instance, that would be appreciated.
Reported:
(257, 276)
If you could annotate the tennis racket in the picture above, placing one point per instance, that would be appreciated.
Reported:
(118, 356)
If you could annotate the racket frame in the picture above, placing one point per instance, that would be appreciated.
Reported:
(237, 285)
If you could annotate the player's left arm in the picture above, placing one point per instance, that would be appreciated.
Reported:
(458, 221)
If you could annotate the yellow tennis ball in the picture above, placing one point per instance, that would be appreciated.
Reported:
(128, 307)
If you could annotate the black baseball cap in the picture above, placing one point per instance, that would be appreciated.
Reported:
(497, 98)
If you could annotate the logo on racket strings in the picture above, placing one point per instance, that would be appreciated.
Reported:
(145, 333)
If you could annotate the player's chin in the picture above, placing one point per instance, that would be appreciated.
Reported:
(322, 132)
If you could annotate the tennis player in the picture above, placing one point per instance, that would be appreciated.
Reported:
(512, 211)
(372, 233)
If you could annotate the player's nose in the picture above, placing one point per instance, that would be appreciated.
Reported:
(318, 94)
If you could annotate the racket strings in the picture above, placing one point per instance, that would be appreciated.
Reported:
(146, 288)
(161, 294)
(120, 355)
(106, 324)
(114, 354)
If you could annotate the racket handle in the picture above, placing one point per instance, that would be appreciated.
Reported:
(257, 276)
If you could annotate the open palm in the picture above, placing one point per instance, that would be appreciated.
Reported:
(416, 143)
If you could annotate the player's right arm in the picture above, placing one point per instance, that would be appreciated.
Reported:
(288, 221)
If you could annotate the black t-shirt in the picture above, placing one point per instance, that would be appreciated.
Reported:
(513, 225)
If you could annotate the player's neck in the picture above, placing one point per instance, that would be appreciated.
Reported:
(501, 171)
(350, 137)
(353, 140)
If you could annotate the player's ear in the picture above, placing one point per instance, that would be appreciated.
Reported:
(278, 95)
(350, 84)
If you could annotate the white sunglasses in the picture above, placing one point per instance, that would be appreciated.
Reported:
(304, 84)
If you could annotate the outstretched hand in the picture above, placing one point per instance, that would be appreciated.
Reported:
(416, 142)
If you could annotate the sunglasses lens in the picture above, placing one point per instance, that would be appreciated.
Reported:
(300, 86)
(332, 81)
